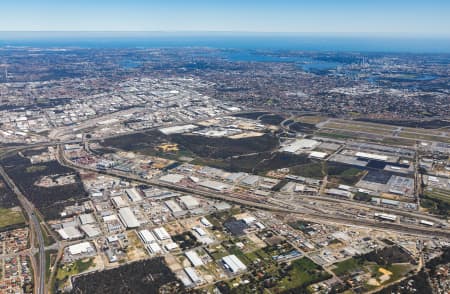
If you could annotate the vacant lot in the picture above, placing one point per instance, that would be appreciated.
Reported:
(11, 217)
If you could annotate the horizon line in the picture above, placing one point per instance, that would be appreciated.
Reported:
(405, 34)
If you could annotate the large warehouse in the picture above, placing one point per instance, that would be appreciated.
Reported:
(233, 263)
(128, 218)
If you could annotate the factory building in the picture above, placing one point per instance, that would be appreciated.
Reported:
(81, 248)
(133, 195)
(90, 230)
(174, 208)
(194, 258)
(214, 185)
(128, 218)
(146, 236)
(70, 233)
(189, 202)
(87, 218)
(161, 233)
(192, 274)
(233, 264)
(171, 178)
(154, 248)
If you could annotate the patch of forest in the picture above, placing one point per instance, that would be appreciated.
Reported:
(49, 200)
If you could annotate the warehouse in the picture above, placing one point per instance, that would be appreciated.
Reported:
(317, 155)
(87, 219)
(194, 258)
(90, 230)
(171, 246)
(70, 233)
(174, 208)
(214, 185)
(189, 202)
(200, 231)
(161, 233)
(146, 236)
(154, 248)
(171, 178)
(80, 248)
(128, 218)
(192, 274)
(118, 202)
(232, 263)
(251, 180)
(205, 222)
(133, 195)
(339, 193)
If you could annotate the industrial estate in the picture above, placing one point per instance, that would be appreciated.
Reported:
(151, 171)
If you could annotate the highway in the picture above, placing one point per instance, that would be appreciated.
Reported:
(35, 228)
(328, 218)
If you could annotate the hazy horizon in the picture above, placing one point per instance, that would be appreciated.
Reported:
(363, 42)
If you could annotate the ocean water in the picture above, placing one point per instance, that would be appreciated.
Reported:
(303, 42)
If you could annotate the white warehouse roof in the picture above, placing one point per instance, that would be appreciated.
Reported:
(214, 185)
(128, 218)
(69, 233)
(233, 263)
(146, 236)
(189, 201)
(133, 194)
(194, 258)
(80, 248)
(171, 178)
(161, 233)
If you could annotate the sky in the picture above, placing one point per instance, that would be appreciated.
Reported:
(409, 17)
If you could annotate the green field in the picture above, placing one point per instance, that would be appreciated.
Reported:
(347, 266)
(310, 170)
(303, 272)
(436, 201)
(11, 217)
(74, 268)
(355, 264)
(343, 173)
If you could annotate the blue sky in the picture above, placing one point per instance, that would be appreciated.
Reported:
(430, 17)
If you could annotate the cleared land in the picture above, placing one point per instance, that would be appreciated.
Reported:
(11, 217)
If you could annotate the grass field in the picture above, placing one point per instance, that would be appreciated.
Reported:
(71, 269)
(351, 265)
(303, 273)
(310, 170)
(10, 217)
(347, 266)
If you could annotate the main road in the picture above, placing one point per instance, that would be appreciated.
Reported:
(35, 228)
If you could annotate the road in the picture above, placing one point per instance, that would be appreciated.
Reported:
(35, 228)
(329, 218)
